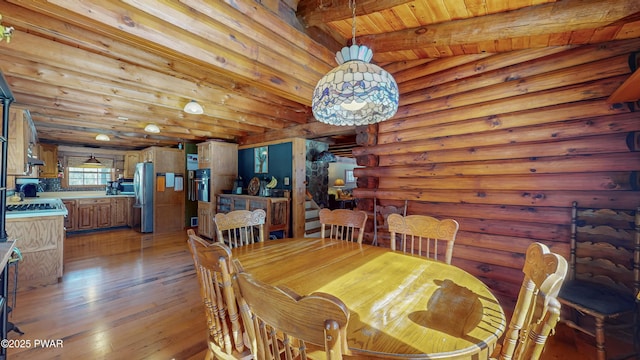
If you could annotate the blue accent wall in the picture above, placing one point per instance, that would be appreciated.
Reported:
(280, 161)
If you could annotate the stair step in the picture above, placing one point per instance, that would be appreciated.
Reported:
(312, 233)
(312, 225)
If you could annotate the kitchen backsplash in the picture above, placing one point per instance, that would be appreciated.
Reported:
(53, 184)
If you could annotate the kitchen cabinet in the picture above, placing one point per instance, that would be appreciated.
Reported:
(98, 213)
(71, 219)
(131, 158)
(277, 209)
(222, 159)
(204, 154)
(147, 155)
(119, 211)
(93, 213)
(49, 154)
(40, 239)
(22, 139)
(205, 220)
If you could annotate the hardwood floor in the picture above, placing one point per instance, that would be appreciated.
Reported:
(127, 295)
(124, 295)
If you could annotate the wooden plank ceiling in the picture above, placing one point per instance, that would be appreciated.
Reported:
(94, 66)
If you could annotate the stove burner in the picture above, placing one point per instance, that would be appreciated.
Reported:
(30, 207)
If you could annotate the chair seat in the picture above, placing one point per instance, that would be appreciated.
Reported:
(597, 297)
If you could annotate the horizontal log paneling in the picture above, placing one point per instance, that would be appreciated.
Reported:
(623, 180)
(493, 130)
(557, 164)
(507, 158)
(588, 145)
(620, 199)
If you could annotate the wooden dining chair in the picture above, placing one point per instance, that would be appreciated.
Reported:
(603, 291)
(240, 227)
(212, 262)
(287, 325)
(424, 235)
(342, 224)
(537, 309)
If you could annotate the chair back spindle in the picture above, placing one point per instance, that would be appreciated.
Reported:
(343, 224)
(214, 271)
(422, 234)
(537, 309)
(240, 227)
(288, 325)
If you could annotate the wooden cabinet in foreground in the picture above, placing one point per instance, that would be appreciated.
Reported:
(277, 210)
(40, 239)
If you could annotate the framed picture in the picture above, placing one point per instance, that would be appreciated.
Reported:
(348, 176)
(261, 160)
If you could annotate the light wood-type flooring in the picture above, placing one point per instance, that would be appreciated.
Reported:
(126, 295)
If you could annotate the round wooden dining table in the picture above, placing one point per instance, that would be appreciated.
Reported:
(402, 306)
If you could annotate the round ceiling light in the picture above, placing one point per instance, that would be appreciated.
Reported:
(102, 137)
(193, 107)
(152, 128)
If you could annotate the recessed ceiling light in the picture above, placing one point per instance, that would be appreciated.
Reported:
(102, 137)
(152, 128)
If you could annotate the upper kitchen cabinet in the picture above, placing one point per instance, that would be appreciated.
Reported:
(48, 153)
(22, 140)
(204, 154)
(147, 155)
(131, 158)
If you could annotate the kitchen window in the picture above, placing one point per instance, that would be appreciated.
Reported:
(79, 175)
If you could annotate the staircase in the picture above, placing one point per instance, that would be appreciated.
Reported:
(312, 221)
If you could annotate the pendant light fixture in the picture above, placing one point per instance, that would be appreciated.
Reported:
(92, 162)
(193, 107)
(355, 92)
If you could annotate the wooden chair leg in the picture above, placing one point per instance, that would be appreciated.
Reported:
(600, 341)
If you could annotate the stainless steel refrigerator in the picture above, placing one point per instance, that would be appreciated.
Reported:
(143, 188)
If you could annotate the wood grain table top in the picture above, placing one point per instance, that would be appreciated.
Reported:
(401, 306)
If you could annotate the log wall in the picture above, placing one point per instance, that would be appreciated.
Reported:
(504, 147)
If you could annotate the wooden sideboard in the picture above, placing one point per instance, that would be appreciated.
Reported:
(277, 209)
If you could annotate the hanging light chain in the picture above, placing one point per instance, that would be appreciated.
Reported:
(352, 6)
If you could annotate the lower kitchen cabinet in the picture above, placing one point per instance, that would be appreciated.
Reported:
(205, 220)
(119, 211)
(100, 213)
(93, 214)
(71, 219)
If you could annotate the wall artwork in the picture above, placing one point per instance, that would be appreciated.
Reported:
(261, 160)
(348, 176)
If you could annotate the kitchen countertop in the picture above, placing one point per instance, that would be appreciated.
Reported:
(76, 195)
(55, 196)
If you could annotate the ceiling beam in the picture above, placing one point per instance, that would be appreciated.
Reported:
(314, 12)
(552, 18)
